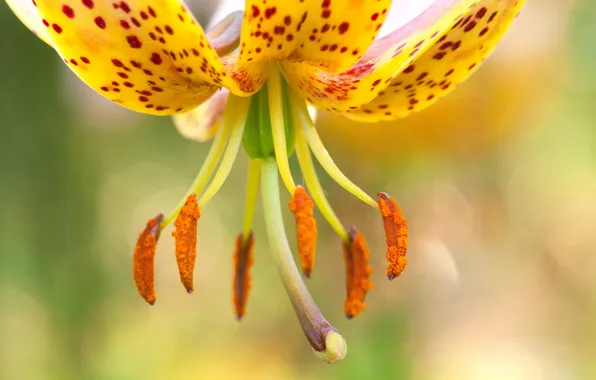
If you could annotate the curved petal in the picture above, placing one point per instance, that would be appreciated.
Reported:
(332, 34)
(26, 12)
(149, 58)
(449, 62)
(390, 58)
(201, 123)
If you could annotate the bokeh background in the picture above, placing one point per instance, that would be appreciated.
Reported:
(498, 181)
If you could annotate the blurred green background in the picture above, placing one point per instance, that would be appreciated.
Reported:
(498, 181)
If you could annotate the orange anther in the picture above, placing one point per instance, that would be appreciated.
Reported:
(143, 259)
(396, 233)
(306, 228)
(243, 260)
(185, 237)
(358, 273)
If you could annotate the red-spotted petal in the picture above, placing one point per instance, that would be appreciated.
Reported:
(390, 59)
(152, 57)
(332, 34)
(450, 61)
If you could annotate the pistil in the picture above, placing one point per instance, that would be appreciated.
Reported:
(324, 338)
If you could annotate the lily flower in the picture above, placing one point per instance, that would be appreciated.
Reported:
(247, 82)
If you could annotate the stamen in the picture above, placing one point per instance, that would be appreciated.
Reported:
(312, 181)
(185, 238)
(143, 259)
(237, 109)
(356, 255)
(276, 110)
(316, 145)
(306, 228)
(396, 233)
(243, 260)
(328, 344)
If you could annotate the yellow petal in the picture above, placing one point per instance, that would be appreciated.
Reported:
(417, 48)
(201, 123)
(332, 34)
(26, 12)
(149, 58)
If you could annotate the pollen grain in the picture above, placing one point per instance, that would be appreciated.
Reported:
(243, 260)
(396, 234)
(302, 207)
(358, 272)
(143, 259)
(185, 237)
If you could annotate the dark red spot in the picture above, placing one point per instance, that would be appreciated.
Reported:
(446, 45)
(481, 12)
(169, 29)
(157, 89)
(88, 3)
(128, 84)
(68, 11)
(375, 83)
(45, 22)
(144, 15)
(374, 17)
(57, 28)
(343, 27)
(122, 75)
(135, 64)
(470, 26)
(161, 108)
(135, 22)
(147, 72)
(409, 69)
(492, 17)
(189, 70)
(124, 24)
(100, 22)
(117, 62)
(255, 11)
(124, 7)
(326, 13)
(270, 12)
(287, 20)
(85, 60)
(134, 42)
(439, 55)
(143, 99)
(104, 88)
(74, 62)
(289, 37)
(483, 32)
(156, 58)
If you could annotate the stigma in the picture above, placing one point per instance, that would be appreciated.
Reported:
(273, 125)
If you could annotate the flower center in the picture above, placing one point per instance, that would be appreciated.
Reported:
(271, 125)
